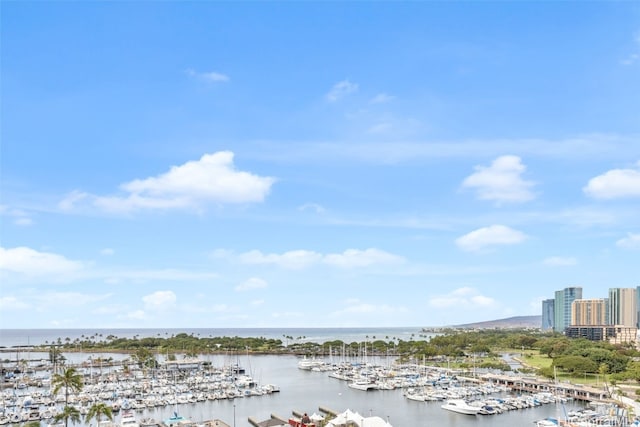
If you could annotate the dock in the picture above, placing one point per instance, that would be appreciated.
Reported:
(537, 385)
(276, 420)
(273, 420)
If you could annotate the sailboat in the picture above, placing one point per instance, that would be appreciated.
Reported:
(176, 420)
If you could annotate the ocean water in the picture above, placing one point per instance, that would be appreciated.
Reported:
(25, 337)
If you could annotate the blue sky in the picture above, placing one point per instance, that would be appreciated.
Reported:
(274, 164)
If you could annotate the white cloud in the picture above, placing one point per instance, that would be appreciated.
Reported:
(340, 90)
(299, 259)
(490, 236)
(23, 221)
(30, 262)
(462, 298)
(11, 304)
(632, 241)
(72, 199)
(557, 261)
(213, 178)
(313, 207)
(293, 259)
(159, 300)
(20, 217)
(357, 258)
(635, 56)
(613, 184)
(382, 98)
(256, 302)
(251, 284)
(209, 76)
(107, 252)
(501, 181)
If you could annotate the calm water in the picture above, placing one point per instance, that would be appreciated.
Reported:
(21, 337)
(306, 391)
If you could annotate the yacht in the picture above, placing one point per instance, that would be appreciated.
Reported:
(460, 406)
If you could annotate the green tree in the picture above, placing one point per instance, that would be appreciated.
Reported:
(55, 357)
(70, 380)
(98, 410)
(68, 413)
(575, 364)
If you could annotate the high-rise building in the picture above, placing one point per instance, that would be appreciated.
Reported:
(589, 312)
(623, 307)
(638, 307)
(562, 307)
(547, 314)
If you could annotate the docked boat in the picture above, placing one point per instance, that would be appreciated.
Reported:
(460, 406)
(547, 422)
(364, 385)
(128, 419)
(149, 422)
(176, 420)
(310, 364)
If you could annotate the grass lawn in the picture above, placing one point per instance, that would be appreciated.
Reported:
(534, 359)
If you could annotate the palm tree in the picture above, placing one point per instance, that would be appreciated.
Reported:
(55, 357)
(68, 412)
(69, 379)
(97, 410)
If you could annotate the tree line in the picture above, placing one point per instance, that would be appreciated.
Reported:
(573, 356)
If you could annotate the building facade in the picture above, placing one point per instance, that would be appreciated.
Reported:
(589, 312)
(623, 308)
(562, 307)
(610, 333)
(547, 314)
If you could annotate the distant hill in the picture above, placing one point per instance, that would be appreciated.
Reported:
(516, 322)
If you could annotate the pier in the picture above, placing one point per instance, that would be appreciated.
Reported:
(537, 385)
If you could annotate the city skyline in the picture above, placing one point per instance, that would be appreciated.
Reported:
(170, 164)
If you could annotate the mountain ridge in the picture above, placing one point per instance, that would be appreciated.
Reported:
(514, 322)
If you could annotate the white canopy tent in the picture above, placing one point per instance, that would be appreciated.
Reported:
(349, 418)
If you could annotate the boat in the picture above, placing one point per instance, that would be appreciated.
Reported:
(148, 422)
(547, 422)
(461, 407)
(176, 420)
(364, 385)
(309, 364)
(128, 419)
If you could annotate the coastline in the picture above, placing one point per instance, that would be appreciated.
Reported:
(26, 337)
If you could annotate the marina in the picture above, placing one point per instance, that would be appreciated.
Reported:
(272, 387)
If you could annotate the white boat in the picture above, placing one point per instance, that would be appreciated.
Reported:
(364, 385)
(149, 422)
(128, 419)
(309, 364)
(547, 422)
(460, 406)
